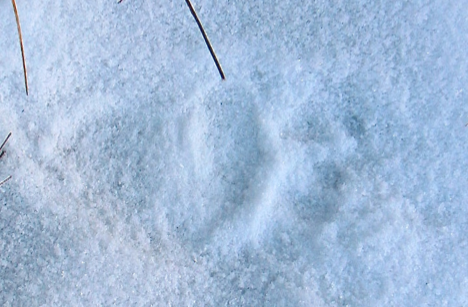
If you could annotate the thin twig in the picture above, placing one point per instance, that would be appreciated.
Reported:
(1, 155)
(207, 41)
(21, 44)
(6, 140)
(5, 180)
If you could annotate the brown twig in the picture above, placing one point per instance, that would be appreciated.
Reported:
(1, 155)
(205, 37)
(6, 140)
(21, 44)
(5, 180)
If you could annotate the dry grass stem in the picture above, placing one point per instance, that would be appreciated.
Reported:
(4, 142)
(21, 44)
(1, 154)
(5, 180)
(205, 37)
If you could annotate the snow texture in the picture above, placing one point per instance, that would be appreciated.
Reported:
(329, 169)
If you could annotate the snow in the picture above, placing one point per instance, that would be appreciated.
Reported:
(328, 169)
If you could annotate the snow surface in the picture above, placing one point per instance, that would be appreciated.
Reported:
(329, 169)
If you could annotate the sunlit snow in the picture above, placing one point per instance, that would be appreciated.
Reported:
(328, 169)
